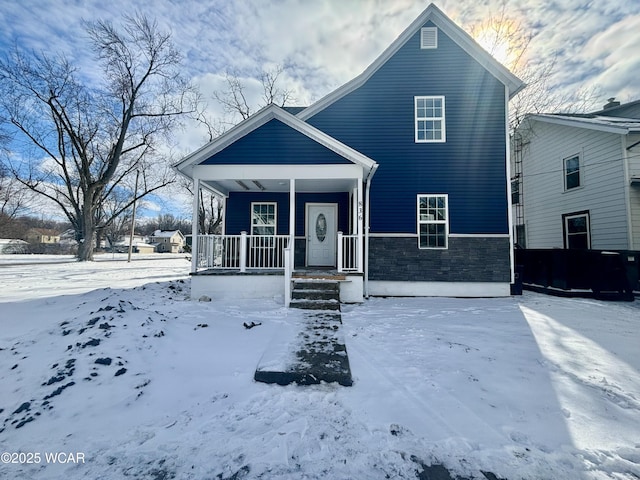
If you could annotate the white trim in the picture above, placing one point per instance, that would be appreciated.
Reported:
(507, 160)
(276, 172)
(428, 38)
(480, 235)
(194, 225)
(449, 28)
(441, 119)
(394, 235)
(588, 123)
(438, 289)
(444, 222)
(463, 235)
(627, 192)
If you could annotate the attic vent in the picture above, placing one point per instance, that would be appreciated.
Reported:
(429, 37)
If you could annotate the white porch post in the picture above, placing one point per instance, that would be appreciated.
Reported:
(194, 225)
(360, 227)
(290, 252)
(243, 251)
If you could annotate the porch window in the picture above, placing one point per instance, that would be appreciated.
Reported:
(433, 221)
(571, 172)
(429, 119)
(263, 218)
(577, 230)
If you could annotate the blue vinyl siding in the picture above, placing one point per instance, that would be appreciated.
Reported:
(238, 210)
(275, 143)
(378, 120)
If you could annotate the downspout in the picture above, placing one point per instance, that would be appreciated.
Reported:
(627, 189)
(367, 219)
(508, 175)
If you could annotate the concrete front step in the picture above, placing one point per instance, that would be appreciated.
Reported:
(317, 304)
(310, 294)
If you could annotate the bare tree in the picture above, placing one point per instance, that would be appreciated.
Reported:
(94, 137)
(509, 40)
(14, 200)
(234, 97)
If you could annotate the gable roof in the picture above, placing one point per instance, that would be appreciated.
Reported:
(260, 118)
(166, 233)
(453, 31)
(618, 125)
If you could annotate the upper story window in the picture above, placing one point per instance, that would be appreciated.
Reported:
(572, 172)
(430, 119)
(428, 37)
(263, 218)
(433, 221)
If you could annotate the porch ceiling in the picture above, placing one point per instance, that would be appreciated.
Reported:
(281, 185)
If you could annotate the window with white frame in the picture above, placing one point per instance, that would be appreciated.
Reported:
(577, 232)
(429, 119)
(433, 221)
(571, 172)
(263, 218)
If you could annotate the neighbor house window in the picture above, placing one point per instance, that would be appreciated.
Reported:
(515, 192)
(577, 230)
(429, 118)
(572, 172)
(263, 219)
(433, 221)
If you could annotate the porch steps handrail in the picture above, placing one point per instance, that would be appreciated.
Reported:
(347, 253)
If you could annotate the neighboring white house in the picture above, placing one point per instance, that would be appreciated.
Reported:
(168, 241)
(576, 179)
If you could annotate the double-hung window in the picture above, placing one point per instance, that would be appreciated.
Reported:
(571, 172)
(577, 232)
(429, 119)
(263, 218)
(433, 221)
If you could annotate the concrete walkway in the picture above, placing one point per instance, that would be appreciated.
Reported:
(314, 351)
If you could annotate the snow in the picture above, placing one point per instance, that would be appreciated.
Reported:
(531, 387)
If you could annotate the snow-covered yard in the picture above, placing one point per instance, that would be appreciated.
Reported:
(111, 362)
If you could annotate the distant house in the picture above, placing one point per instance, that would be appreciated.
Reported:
(396, 183)
(168, 241)
(42, 235)
(142, 247)
(122, 245)
(13, 245)
(577, 179)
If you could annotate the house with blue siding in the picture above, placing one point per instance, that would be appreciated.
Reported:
(396, 183)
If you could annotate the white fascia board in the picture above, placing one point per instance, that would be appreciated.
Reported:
(268, 113)
(453, 31)
(276, 172)
(581, 123)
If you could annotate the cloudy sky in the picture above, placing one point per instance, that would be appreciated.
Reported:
(323, 44)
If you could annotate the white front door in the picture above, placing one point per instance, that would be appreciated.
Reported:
(322, 228)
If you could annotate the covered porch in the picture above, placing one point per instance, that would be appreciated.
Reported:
(294, 199)
(279, 229)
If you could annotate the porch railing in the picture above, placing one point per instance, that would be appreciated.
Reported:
(241, 251)
(347, 253)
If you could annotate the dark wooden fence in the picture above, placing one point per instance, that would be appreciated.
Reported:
(598, 271)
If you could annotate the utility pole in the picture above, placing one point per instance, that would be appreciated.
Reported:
(133, 217)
